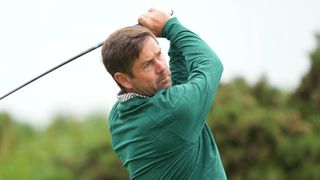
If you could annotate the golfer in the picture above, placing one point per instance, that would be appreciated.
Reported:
(158, 125)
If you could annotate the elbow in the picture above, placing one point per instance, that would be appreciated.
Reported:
(218, 66)
(221, 68)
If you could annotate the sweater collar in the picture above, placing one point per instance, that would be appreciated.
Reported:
(122, 97)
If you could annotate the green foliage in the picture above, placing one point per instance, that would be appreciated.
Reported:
(307, 94)
(265, 138)
(67, 149)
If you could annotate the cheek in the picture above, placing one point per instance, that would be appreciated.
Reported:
(151, 79)
(146, 79)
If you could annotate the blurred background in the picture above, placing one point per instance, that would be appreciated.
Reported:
(265, 118)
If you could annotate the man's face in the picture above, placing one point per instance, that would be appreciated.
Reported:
(151, 71)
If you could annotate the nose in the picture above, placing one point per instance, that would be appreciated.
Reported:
(160, 66)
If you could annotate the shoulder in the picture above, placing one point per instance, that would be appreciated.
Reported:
(175, 101)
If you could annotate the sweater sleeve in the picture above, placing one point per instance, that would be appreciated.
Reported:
(188, 104)
(178, 67)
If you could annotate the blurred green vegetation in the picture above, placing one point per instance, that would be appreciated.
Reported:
(68, 149)
(262, 133)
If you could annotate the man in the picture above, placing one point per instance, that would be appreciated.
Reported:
(158, 127)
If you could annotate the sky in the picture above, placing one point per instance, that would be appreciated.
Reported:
(251, 37)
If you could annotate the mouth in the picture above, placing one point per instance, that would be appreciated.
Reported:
(164, 80)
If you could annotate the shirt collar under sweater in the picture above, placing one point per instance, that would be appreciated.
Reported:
(126, 96)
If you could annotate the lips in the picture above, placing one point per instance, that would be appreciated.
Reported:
(164, 80)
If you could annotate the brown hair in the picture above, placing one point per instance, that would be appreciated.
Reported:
(122, 47)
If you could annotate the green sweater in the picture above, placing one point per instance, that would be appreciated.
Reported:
(166, 136)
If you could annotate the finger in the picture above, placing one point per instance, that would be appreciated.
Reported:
(152, 9)
(142, 20)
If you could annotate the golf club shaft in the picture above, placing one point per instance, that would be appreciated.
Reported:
(52, 69)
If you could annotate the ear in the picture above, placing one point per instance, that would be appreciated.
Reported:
(123, 79)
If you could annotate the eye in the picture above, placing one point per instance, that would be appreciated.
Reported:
(159, 53)
(147, 65)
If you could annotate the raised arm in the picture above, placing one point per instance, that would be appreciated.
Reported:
(189, 102)
(178, 67)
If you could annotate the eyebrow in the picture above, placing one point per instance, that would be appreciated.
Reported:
(157, 53)
(146, 62)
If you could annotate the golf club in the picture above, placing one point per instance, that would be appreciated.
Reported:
(52, 69)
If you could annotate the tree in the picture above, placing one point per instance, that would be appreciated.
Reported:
(309, 88)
